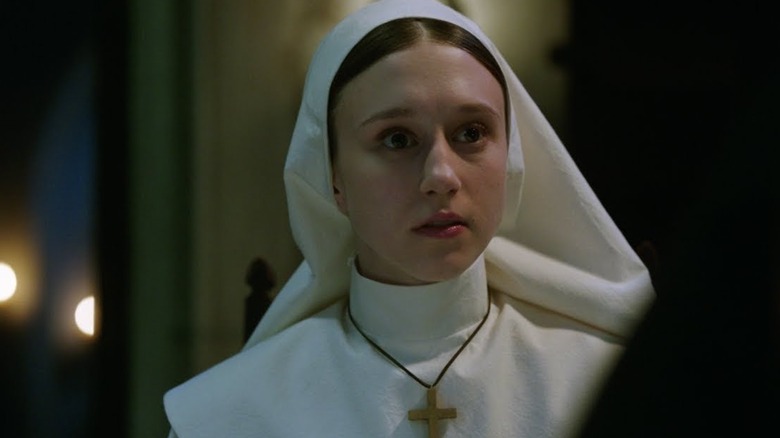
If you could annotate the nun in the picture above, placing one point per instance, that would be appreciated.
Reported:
(461, 279)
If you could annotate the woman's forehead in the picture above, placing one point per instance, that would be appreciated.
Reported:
(420, 78)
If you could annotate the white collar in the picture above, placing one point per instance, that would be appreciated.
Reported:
(392, 313)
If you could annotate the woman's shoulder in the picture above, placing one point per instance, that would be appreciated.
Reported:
(240, 387)
(531, 317)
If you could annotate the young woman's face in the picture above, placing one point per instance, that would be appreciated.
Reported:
(421, 163)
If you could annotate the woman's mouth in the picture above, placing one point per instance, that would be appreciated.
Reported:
(442, 225)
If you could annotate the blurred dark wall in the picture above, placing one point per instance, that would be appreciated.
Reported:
(60, 96)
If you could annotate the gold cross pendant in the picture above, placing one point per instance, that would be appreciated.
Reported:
(432, 414)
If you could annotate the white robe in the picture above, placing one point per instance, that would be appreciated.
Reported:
(562, 278)
(528, 372)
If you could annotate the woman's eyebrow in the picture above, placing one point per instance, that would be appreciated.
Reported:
(471, 108)
(388, 114)
(392, 113)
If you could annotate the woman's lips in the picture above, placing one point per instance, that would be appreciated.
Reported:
(442, 225)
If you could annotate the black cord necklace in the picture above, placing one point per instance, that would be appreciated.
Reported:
(432, 413)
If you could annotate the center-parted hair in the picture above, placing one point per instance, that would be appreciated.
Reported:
(395, 36)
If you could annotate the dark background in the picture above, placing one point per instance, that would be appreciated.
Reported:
(673, 115)
(62, 174)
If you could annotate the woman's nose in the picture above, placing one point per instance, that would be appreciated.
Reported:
(440, 175)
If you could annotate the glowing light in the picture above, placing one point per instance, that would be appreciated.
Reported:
(85, 316)
(7, 282)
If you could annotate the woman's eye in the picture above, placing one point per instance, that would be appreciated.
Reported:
(398, 140)
(470, 134)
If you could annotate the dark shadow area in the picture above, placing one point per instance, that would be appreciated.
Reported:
(675, 111)
(112, 223)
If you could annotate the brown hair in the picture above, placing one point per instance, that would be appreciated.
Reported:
(396, 35)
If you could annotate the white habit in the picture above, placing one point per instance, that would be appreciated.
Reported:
(565, 291)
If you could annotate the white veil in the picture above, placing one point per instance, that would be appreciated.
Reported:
(558, 249)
